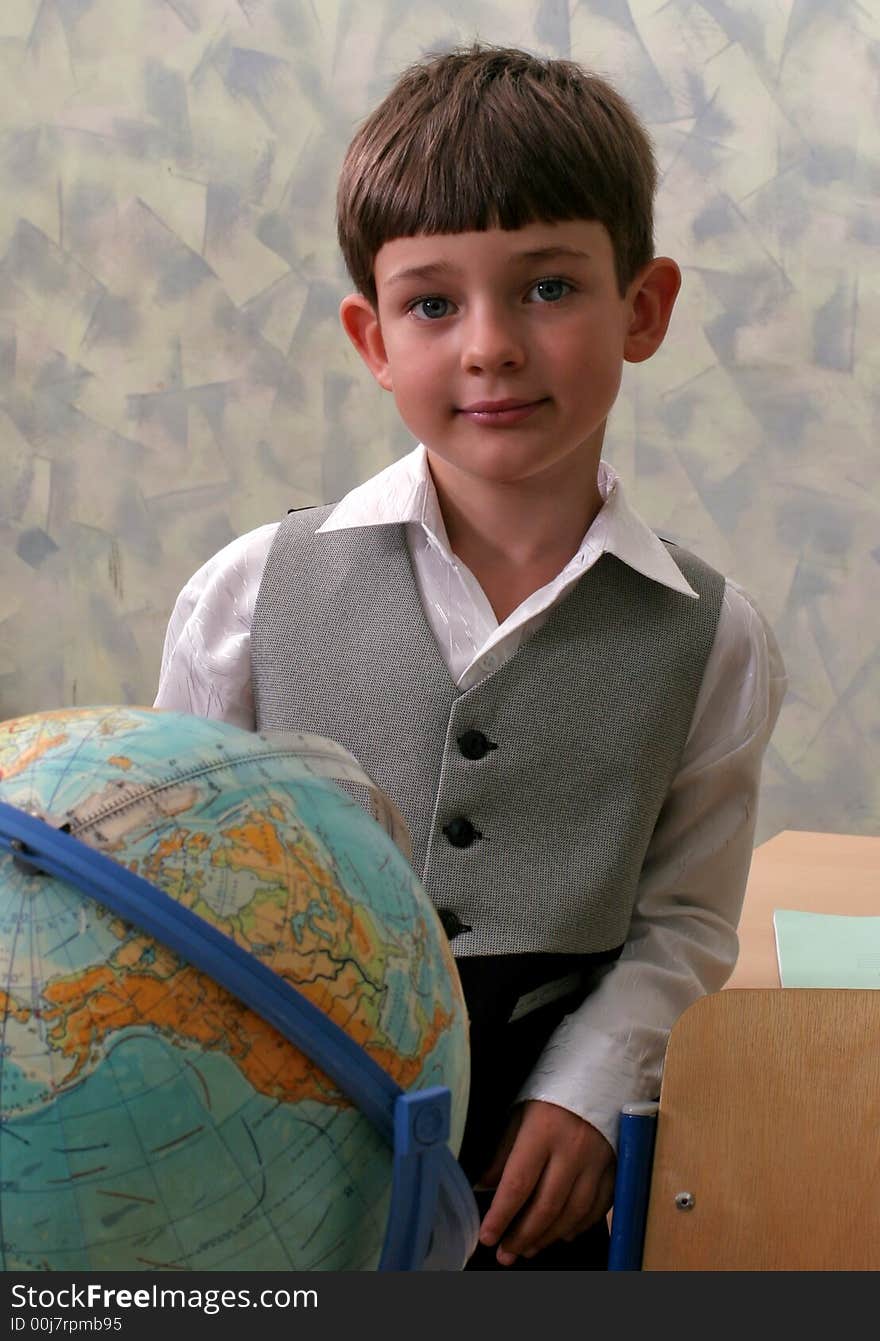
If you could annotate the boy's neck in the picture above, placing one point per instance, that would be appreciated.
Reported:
(516, 537)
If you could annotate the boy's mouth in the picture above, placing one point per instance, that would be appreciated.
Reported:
(500, 412)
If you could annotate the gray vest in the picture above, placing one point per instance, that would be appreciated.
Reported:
(531, 798)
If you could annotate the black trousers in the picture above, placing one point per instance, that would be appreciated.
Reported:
(502, 1055)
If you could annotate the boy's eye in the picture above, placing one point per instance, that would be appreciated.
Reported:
(551, 290)
(431, 308)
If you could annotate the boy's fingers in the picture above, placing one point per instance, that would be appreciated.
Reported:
(584, 1200)
(600, 1207)
(554, 1210)
(587, 1205)
(542, 1215)
(521, 1173)
(570, 1222)
(554, 1177)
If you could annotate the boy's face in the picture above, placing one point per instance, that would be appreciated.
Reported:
(504, 349)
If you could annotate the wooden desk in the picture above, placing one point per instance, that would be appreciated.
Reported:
(812, 872)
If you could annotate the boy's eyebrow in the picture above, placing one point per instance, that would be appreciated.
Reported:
(420, 272)
(545, 253)
(446, 267)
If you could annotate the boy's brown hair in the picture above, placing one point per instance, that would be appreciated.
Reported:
(493, 137)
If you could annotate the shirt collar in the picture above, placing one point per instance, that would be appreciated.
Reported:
(404, 493)
(622, 532)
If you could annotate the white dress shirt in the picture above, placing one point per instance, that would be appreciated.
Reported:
(682, 941)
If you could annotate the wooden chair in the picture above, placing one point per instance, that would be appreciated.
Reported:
(767, 1152)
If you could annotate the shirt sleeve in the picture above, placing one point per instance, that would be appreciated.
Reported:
(206, 661)
(682, 941)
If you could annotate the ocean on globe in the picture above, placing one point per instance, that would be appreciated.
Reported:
(147, 1118)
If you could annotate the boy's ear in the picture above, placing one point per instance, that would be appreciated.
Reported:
(651, 296)
(361, 324)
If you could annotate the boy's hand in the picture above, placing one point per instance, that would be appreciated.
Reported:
(554, 1172)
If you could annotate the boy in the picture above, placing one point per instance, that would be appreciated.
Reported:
(569, 712)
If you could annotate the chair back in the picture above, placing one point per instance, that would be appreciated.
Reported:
(767, 1152)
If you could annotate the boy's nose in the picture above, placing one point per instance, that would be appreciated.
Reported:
(490, 342)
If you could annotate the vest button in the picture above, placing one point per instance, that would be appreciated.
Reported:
(452, 923)
(473, 745)
(460, 832)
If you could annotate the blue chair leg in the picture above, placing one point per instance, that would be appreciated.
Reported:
(635, 1155)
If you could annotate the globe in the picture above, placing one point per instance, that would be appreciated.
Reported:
(149, 1119)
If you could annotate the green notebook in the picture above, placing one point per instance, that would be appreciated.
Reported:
(827, 949)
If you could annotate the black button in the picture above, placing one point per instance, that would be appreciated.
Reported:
(460, 832)
(452, 923)
(473, 745)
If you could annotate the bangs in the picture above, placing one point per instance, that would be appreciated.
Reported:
(474, 142)
(497, 179)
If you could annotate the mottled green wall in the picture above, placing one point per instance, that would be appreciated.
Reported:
(172, 372)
